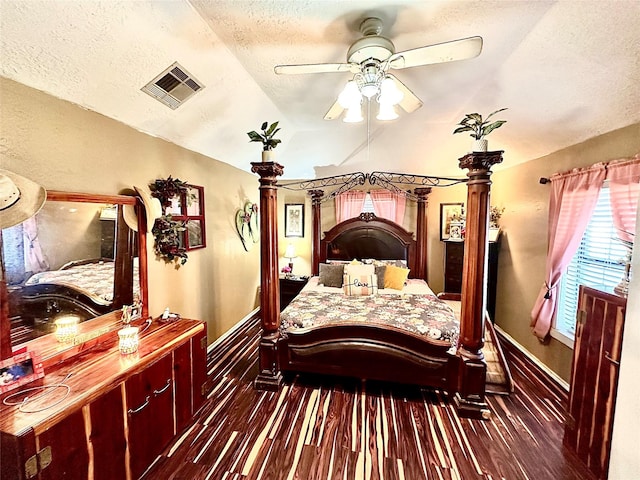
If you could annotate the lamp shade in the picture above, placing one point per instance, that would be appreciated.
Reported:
(387, 112)
(389, 93)
(353, 115)
(350, 95)
(290, 252)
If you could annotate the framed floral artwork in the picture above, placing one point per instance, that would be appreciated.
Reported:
(449, 212)
(294, 220)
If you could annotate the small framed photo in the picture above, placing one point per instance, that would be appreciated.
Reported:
(294, 220)
(449, 212)
(19, 370)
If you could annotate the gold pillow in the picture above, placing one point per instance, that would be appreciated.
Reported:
(394, 277)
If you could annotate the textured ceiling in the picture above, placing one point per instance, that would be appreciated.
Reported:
(566, 70)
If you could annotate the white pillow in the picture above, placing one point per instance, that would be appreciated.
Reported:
(359, 270)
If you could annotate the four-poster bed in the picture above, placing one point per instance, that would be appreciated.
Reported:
(371, 351)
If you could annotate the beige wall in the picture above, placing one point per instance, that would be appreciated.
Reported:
(524, 239)
(64, 147)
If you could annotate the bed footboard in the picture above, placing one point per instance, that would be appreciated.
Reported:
(370, 353)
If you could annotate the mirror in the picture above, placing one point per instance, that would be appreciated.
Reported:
(75, 260)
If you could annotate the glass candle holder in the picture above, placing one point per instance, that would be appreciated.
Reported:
(66, 329)
(128, 340)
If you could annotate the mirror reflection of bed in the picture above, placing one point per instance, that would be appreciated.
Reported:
(74, 259)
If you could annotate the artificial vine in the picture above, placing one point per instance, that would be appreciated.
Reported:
(168, 240)
(167, 232)
(166, 189)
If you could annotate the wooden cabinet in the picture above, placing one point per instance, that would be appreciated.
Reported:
(594, 377)
(119, 413)
(453, 258)
(289, 288)
(149, 401)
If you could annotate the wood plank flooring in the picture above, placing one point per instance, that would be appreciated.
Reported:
(319, 429)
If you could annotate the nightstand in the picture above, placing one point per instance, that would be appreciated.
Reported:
(453, 257)
(289, 288)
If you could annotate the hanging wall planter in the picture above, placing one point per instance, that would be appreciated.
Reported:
(167, 232)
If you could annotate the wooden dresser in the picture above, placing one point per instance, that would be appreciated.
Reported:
(594, 377)
(120, 410)
(453, 257)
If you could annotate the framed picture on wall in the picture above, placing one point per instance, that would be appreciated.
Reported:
(294, 220)
(449, 212)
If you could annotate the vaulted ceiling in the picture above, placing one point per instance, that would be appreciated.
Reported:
(567, 71)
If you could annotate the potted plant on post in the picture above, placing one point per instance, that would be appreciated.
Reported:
(479, 128)
(266, 138)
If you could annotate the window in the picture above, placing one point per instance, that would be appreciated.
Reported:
(191, 211)
(368, 204)
(597, 264)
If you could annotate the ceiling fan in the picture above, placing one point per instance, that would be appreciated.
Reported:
(370, 58)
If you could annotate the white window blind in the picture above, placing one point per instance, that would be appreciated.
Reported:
(597, 264)
(368, 205)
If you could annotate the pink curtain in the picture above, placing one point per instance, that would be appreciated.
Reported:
(573, 198)
(33, 258)
(389, 205)
(349, 205)
(624, 186)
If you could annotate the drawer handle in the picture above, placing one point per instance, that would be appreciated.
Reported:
(607, 355)
(163, 389)
(141, 407)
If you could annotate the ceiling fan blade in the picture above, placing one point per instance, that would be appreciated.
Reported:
(409, 103)
(441, 52)
(334, 112)
(316, 68)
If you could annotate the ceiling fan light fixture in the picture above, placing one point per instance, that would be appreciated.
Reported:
(350, 95)
(387, 112)
(389, 93)
(369, 90)
(353, 115)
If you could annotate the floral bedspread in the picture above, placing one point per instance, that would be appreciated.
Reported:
(93, 279)
(421, 314)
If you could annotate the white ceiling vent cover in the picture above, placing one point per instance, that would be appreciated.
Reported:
(173, 87)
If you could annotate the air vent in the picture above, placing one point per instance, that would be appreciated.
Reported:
(173, 87)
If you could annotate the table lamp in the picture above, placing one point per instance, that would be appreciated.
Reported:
(290, 253)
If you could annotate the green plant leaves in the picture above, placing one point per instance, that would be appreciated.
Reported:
(266, 137)
(490, 128)
(473, 122)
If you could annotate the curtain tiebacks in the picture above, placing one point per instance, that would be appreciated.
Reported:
(547, 295)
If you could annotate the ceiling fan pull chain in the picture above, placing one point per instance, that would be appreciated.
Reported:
(368, 129)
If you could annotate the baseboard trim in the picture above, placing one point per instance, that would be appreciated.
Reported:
(553, 376)
(233, 329)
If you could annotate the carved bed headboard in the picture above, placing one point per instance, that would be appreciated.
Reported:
(368, 236)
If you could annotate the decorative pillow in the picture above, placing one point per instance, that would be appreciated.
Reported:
(380, 269)
(355, 270)
(360, 285)
(394, 277)
(331, 275)
(397, 263)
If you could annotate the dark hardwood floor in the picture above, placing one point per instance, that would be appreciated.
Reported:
(319, 429)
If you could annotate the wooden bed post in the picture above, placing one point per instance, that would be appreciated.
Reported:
(269, 377)
(470, 399)
(316, 198)
(421, 232)
(5, 324)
